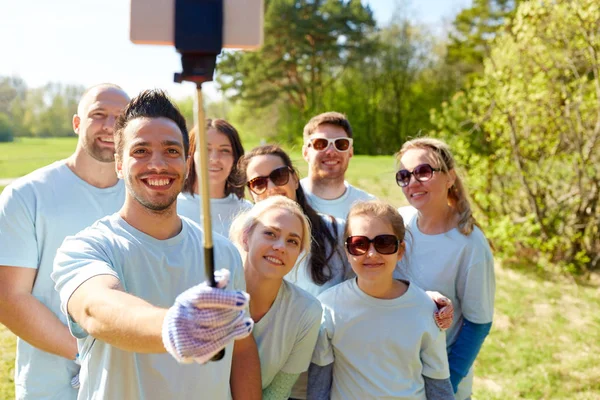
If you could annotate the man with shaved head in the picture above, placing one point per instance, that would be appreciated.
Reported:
(37, 212)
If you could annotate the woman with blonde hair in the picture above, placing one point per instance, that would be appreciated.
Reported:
(270, 237)
(448, 251)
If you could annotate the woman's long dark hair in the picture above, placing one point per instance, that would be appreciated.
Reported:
(224, 127)
(320, 270)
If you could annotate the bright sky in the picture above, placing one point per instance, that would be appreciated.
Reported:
(87, 42)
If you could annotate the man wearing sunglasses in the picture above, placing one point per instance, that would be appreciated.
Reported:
(327, 150)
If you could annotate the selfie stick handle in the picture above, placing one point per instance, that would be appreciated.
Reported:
(201, 162)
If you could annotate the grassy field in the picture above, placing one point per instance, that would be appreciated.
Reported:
(545, 342)
(26, 154)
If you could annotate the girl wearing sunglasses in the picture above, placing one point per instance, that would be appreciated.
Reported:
(270, 237)
(450, 253)
(226, 199)
(377, 337)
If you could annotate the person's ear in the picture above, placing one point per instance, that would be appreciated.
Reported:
(245, 237)
(451, 178)
(119, 166)
(188, 166)
(351, 152)
(76, 123)
(305, 152)
(401, 250)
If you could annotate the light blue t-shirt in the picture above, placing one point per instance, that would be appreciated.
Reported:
(339, 207)
(36, 213)
(380, 348)
(459, 267)
(287, 333)
(340, 268)
(156, 271)
(300, 276)
(222, 211)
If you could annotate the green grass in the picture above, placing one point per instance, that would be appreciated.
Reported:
(27, 154)
(545, 342)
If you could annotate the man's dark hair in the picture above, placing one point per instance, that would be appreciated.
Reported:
(150, 104)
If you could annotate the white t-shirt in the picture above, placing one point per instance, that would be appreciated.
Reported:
(287, 334)
(223, 211)
(339, 207)
(458, 266)
(156, 271)
(300, 274)
(36, 213)
(380, 349)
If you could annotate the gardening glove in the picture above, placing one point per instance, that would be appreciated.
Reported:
(75, 380)
(445, 312)
(204, 320)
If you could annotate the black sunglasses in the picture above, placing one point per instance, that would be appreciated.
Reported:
(422, 173)
(279, 176)
(341, 144)
(384, 244)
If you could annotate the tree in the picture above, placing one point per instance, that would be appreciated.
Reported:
(308, 44)
(473, 32)
(6, 129)
(528, 131)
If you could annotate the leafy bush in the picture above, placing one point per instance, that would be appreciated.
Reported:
(528, 133)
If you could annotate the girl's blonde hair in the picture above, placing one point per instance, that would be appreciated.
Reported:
(243, 225)
(457, 195)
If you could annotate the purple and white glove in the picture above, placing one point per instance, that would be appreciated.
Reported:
(204, 320)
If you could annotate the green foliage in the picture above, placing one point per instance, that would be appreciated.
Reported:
(385, 80)
(527, 132)
(308, 44)
(474, 29)
(42, 112)
(6, 129)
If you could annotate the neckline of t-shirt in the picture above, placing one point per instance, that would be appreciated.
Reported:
(414, 228)
(385, 303)
(143, 237)
(231, 197)
(274, 307)
(76, 179)
(331, 202)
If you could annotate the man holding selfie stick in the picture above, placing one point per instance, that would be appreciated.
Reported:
(129, 284)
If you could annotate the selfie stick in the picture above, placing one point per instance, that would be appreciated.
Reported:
(196, 29)
(198, 38)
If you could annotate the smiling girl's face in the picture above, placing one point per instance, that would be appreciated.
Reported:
(274, 244)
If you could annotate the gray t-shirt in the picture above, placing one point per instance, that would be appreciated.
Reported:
(156, 271)
(37, 212)
(339, 207)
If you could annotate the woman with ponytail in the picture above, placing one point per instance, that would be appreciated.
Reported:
(447, 251)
